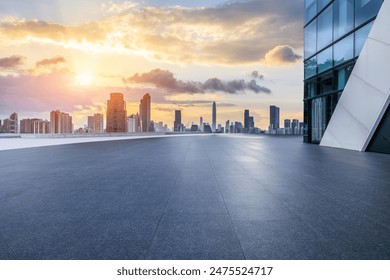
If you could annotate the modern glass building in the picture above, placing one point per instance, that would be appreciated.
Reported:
(335, 32)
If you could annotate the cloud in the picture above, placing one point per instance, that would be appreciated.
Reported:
(257, 75)
(11, 62)
(281, 55)
(165, 79)
(50, 61)
(234, 33)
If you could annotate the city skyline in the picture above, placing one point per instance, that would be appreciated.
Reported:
(40, 70)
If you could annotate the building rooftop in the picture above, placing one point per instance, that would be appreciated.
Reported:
(211, 197)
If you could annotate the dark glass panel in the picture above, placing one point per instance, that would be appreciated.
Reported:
(365, 10)
(325, 27)
(311, 39)
(343, 17)
(310, 67)
(310, 9)
(361, 36)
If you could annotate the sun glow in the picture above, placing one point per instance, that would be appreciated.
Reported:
(83, 79)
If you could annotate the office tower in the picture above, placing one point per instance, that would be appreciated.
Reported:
(219, 127)
(194, 127)
(251, 123)
(287, 123)
(91, 124)
(177, 121)
(227, 126)
(60, 122)
(295, 126)
(201, 123)
(116, 116)
(131, 124)
(98, 126)
(346, 88)
(144, 111)
(207, 128)
(10, 125)
(214, 123)
(246, 120)
(273, 117)
(151, 126)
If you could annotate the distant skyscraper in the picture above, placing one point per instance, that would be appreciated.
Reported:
(214, 123)
(274, 117)
(295, 126)
(287, 123)
(246, 120)
(251, 123)
(131, 124)
(201, 123)
(60, 122)
(177, 122)
(227, 126)
(98, 126)
(91, 124)
(144, 111)
(116, 113)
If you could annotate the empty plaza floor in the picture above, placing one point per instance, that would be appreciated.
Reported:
(194, 197)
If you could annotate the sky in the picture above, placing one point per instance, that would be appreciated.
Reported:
(71, 54)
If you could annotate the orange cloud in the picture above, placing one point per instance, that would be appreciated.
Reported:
(235, 33)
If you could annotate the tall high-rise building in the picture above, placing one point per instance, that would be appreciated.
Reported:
(177, 122)
(144, 111)
(201, 123)
(346, 88)
(214, 117)
(91, 124)
(227, 126)
(273, 117)
(116, 113)
(60, 122)
(295, 126)
(98, 126)
(34, 126)
(287, 123)
(246, 120)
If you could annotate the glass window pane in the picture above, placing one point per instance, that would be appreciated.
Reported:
(318, 119)
(343, 50)
(310, 67)
(310, 39)
(361, 36)
(325, 83)
(310, 88)
(310, 9)
(343, 76)
(325, 60)
(322, 4)
(343, 17)
(366, 9)
(325, 27)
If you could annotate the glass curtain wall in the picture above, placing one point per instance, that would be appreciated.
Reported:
(335, 32)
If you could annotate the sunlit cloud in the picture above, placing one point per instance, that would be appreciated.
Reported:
(282, 55)
(234, 34)
(50, 61)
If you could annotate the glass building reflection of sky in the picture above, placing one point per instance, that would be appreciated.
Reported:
(335, 32)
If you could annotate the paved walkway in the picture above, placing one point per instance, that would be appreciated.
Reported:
(211, 197)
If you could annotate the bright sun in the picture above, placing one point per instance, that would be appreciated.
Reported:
(84, 79)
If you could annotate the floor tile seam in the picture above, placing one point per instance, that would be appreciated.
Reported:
(147, 254)
(227, 209)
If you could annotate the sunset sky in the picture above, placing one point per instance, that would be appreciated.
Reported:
(70, 54)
